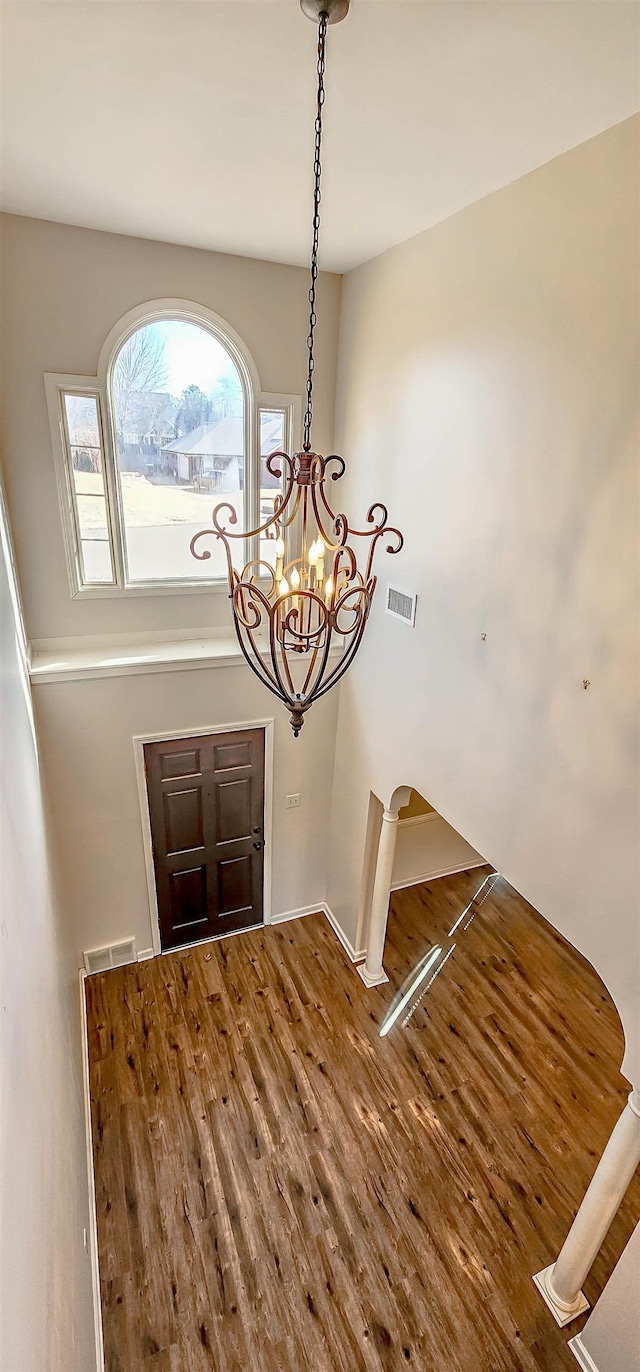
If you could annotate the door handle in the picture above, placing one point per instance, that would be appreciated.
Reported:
(257, 847)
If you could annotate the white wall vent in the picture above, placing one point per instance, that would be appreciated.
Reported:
(401, 604)
(115, 955)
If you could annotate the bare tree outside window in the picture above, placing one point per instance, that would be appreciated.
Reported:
(178, 405)
(141, 367)
(227, 398)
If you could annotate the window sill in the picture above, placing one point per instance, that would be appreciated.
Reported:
(94, 591)
(86, 660)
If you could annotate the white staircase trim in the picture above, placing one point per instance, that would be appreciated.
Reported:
(581, 1354)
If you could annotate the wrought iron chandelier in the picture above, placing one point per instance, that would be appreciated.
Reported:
(288, 619)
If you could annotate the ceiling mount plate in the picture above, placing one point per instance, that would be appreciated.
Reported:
(335, 9)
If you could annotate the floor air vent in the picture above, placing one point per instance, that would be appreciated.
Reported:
(401, 604)
(115, 955)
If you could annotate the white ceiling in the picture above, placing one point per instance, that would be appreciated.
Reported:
(192, 122)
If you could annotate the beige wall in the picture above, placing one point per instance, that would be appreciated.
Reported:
(417, 806)
(87, 730)
(45, 1274)
(428, 847)
(488, 393)
(611, 1335)
(63, 289)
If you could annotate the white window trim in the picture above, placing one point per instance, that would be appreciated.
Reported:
(56, 384)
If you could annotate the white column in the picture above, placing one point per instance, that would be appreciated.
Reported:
(372, 971)
(561, 1283)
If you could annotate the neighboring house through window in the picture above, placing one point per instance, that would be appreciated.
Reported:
(174, 417)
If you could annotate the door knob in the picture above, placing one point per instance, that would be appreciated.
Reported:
(257, 847)
(258, 829)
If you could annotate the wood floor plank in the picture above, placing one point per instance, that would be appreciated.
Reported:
(280, 1190)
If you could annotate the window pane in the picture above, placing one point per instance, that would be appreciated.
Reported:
(273, 434)
(83, 429)
(178, 406)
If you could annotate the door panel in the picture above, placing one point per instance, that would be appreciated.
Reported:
(183, 820)
(233, 810)
(227, 755)
(206, 804)
(234, 885)
(189, 898)
(180, 764)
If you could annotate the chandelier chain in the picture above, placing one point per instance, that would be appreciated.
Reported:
(300, 615)
(317, 195)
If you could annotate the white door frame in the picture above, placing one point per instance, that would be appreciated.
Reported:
(165, 735)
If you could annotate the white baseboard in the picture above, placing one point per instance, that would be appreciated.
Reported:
(321, 908)
(442, 872)
(146, 953)
(413, 820)
(93, 1218)
(352, 953)
(298, 914)
(581, 1354)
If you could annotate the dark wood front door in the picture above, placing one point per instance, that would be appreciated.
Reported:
(206, 803)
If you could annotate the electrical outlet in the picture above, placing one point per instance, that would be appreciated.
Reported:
(292, 802)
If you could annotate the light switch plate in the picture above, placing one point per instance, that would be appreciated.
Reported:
(292, 802)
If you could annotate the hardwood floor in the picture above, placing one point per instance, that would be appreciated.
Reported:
(280, 1190)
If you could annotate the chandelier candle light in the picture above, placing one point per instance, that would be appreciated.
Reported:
(317, 597)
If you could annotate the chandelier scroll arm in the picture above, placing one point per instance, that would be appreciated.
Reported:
(360, 594)
(339, 523)
(250, 576)
(378, 534)
(345, 661)
(326, 650)
(273, 645)
(274, 518)
(273, 457)
(218, 531)
(265, 678)
(335, 457)
(330, 626)
(278, 472)
(272, 678)
(305, 638)
(257, 594)
(314, 659)
(379, 524)
(333, 476)
(344, 567)
(203, 533)
(206, 554)
(281, 507)
(332, 516)
(248, 591)
(256, 663)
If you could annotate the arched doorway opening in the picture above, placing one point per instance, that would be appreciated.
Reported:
(408, 843)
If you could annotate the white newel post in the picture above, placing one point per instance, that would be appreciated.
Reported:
(561, 1283)
(372, 971)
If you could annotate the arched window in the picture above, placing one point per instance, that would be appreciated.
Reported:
(174, 423)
